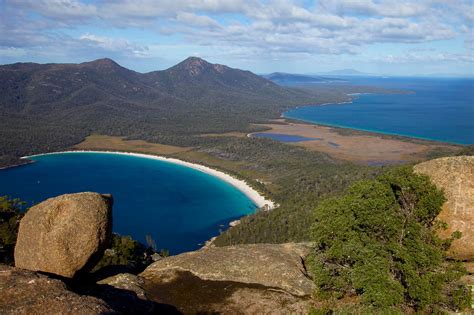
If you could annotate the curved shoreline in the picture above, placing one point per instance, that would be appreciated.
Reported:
(241, 185)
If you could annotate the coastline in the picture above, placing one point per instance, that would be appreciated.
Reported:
(376, 132)
(15, 165)
(354, 96)
(259, 200)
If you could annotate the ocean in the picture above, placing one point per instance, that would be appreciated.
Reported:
(439, 109)
(178, 206)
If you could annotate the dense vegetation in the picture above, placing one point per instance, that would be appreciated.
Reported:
(11, 212)
(55, 106)
(297, 198)
(378, 242)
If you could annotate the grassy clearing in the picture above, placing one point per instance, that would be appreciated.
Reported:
(101, 142)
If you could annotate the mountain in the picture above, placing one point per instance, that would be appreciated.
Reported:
(44, 89)
(34, 88)
(46, 107)
(288, 78)
(196, 78)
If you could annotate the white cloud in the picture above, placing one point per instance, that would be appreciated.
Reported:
(371, 8)
(196, 20)
(114, 44)
(57, 9)
(417, 57)
(12, 52)
(272, 29)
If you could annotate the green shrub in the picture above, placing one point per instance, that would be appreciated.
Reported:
(11, 212)
(125, 251)
(378, 243)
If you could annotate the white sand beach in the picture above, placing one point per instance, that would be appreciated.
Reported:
(241, 185)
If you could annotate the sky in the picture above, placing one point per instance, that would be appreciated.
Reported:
(391, 37)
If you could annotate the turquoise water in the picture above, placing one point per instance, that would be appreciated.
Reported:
(439, 109)
(283, 137)
(179, 206)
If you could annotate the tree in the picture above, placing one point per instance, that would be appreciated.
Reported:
(378, 243)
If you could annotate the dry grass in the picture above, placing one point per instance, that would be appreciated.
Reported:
(227, 134)
(100, 142)
(358, 147)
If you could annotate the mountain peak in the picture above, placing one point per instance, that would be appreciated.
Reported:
(195, 60)
(193, 66)
(103, 63)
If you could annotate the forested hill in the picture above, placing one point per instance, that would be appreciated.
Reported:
(29, 87)
(46, 107)
(195, 77)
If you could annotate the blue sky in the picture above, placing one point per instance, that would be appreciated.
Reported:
(375, 36)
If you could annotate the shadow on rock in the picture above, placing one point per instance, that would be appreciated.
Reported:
(121, 300)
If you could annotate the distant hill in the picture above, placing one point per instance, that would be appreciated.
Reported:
(347, 72)
(46, 107)
(466, 75)
(288, 78)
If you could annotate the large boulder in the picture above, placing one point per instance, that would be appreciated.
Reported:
(65, 235)
(26, 292)
(455, 175)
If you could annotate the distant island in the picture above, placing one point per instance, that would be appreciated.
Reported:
(347, 72)
(288, 78)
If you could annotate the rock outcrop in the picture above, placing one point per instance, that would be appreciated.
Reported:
(26, 292)
(126, 281)
(271, 265)
(455, 175)
(242, 279)
(65, 235)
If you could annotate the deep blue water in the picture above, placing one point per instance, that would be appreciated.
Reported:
(440, 109)
(283, 137)
(179, 206)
